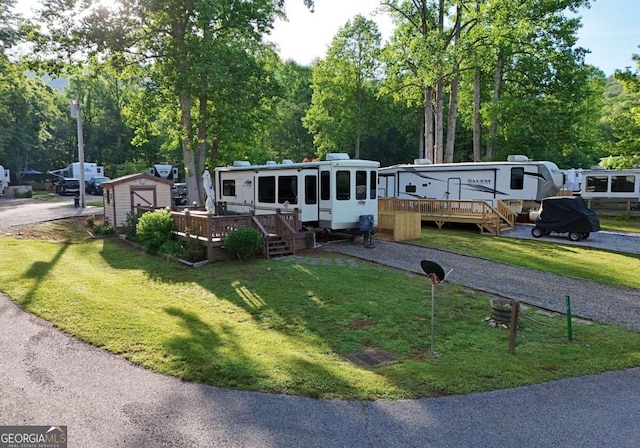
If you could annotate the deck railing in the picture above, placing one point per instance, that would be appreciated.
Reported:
(440, 210)
(210, 228)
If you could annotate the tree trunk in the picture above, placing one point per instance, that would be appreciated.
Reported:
(428, 124)
(202, 142)
(439, 118)
(477, 120)
(421, 151)
(497, 86)
(187, 153)
(451, 120)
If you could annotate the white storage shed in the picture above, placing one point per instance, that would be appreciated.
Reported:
(125, 194)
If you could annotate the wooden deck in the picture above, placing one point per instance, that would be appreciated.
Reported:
(488, 219)
(281, 232)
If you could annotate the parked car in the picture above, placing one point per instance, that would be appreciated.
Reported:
(94, 185)
(68, 186)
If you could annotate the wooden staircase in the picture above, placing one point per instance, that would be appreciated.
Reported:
(499, 219)
(277, 247)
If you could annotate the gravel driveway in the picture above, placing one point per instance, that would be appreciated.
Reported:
(50, 378)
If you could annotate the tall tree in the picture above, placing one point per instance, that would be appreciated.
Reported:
(184, 41)
(421, 60)
(343, 106)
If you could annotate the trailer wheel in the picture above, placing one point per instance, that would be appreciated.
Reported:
(585, 235)
(536, 232)
(574, 236)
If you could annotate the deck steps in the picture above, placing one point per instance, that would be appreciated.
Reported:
(277, 247)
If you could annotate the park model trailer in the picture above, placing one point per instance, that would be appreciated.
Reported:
(601, 183)
(335, 194)
(518, 179)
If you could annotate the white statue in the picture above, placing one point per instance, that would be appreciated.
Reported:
(210, 203)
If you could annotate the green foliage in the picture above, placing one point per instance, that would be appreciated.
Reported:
(190, 250)
(130, 226)
(344, 107)
(99, 228)
(244, 242)
(23, 194)
(172, 247)
(289, 327)
(154, 229)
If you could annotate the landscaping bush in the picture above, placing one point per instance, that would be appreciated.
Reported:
(99, 228)
(190, 250)
(244, 242)
(173, 248)
(154, 229)
(130, 226)
(23, 194)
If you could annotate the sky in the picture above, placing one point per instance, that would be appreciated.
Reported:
(611, 29)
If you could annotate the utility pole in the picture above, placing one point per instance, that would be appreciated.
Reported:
(77, 114)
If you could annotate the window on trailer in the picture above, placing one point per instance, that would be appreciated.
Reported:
(310, 189)
(622, 184)
(228, 187)
(287, 189)
(325, 186)
(267, 189)
(372, 185)
(343, 185)
(517, 178)
(361, 185)
(597, 184)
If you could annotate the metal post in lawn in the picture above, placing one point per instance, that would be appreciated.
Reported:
(567, 300)
(433, 306)
(435, 274)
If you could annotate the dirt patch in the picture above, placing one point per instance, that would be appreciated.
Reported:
(361, 323)
(62, 230)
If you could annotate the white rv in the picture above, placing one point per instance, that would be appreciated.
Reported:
(335, 194)
(601, 183)
(72, 170)
(5, 179)
(168, 172)
(516, 179)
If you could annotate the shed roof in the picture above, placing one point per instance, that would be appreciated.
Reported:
(134, 177)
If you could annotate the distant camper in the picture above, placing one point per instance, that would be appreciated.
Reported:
(332, 194)
(519, 178)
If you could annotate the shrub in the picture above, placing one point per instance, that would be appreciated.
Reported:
(23, 194)
(194, 251)
(244, 242)
(190, 250)
(104, 228)
(130, 226)
(173, 248)
(154, 229)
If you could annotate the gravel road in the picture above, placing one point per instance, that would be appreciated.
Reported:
(18, 212)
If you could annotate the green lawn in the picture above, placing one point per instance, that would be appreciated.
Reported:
(286, 327)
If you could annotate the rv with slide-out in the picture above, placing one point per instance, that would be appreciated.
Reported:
(517, 179)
